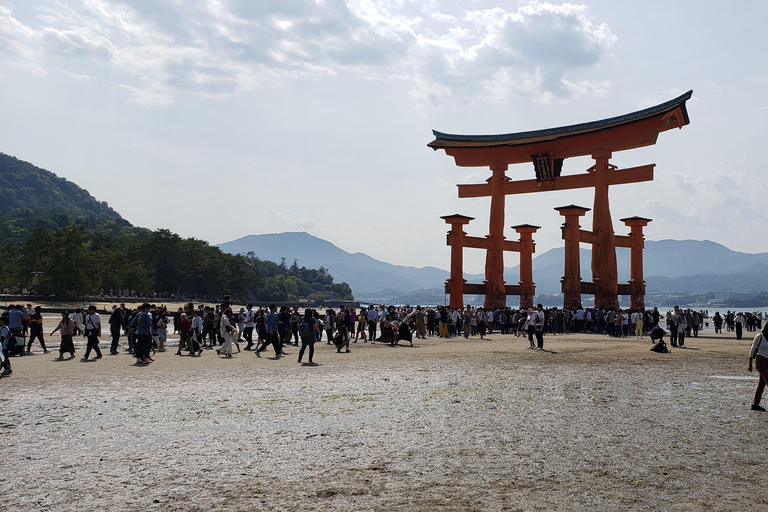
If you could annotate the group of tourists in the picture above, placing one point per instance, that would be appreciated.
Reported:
(222, 328)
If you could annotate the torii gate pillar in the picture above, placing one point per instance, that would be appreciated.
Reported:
(604, 271)
(527, 288)
(572, 273)
(495, 292)
(457, 241)
(636, 281)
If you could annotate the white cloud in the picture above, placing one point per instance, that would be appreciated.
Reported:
(225, 47)
(720, 196)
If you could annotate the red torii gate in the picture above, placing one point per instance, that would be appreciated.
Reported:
(548, 148)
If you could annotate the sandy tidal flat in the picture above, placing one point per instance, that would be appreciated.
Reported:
(592, 423)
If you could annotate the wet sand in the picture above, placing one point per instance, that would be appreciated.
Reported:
(591, 423)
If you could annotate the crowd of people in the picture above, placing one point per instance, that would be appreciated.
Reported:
(222, 328)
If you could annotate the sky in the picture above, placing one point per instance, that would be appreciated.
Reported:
(223, 118)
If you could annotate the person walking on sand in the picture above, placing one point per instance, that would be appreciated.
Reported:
(250, 316)
(78, 319)
(67, 328)
(308, 332)
(272, 333)
(36, 329)
(92, 332)
(226, 330)
(195, 346)
(759, 354)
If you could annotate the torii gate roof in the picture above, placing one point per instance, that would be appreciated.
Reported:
(633, 130)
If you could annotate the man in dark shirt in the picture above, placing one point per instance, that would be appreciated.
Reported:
(116, 320)
(36, 330)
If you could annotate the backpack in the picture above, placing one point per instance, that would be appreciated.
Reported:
(305, 330)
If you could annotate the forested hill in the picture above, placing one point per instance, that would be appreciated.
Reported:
(57, 240)
(26, 188)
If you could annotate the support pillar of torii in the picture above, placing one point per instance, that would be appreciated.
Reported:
(637, 243)
(457, 286)
(571, 282)
(457, 241)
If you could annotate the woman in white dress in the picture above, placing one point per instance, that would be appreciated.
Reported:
(226, 331)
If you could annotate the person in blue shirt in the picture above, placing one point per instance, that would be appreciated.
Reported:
(16, 319)
(272, 333)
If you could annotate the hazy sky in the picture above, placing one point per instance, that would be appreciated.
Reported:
(219, 119)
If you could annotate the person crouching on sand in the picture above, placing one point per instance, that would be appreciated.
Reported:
(67, 328)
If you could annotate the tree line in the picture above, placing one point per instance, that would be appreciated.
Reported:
(75, 260)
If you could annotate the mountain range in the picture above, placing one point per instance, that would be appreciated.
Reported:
(689, 266)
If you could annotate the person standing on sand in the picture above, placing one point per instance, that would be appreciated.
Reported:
(739, 323)
(529, 326)
(362, 320)
(67, 328)
(718, 321)
(308, 330)
(92, 332)
(482, 321)
(373, 317)
(540, 322)
(5, 338)
(294, 319)
(759, 353)
(143, 334)
(183, 324)
(115, 327)
(682, 327)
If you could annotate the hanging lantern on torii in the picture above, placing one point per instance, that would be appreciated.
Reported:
(548, 149)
